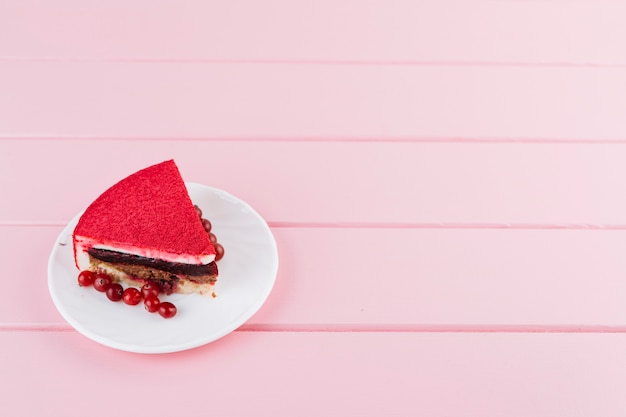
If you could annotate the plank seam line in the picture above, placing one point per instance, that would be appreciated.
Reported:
(311, 62)
(334, 139)
(432, 328)
(445, 225)
(386, 225)
(368, 328)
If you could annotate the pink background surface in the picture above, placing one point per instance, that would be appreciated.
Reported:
(445, 181)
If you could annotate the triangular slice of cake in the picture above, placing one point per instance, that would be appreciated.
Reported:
(144, 229)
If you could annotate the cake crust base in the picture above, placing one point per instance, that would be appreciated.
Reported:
(138, 275)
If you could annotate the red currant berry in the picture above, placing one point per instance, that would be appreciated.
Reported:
(132, 296)
(198, 211)
(212, 238)
(207, 225)
(150, 288)
(115, 292)
(102, 282)
(151, 303)
(167, 310)
(219, 251)
(85, 278)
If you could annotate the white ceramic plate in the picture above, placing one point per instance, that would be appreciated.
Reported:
(246, 277)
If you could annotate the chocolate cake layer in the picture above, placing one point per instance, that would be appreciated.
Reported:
(170, 267)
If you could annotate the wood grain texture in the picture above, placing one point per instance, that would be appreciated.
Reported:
(345, 183)
(353, 31)
(292, 101)
(365, 374)
(396, 279)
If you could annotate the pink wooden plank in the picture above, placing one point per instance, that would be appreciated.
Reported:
(385, 279)
(420, 184)
(286, 101)
(348, 31)
(24, 254)
(312, 374)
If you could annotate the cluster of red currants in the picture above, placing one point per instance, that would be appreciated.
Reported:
(219, 249)
(149, 293)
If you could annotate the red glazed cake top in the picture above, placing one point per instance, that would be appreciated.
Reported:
(150, 211)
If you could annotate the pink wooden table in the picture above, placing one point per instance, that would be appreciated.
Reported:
(445, 180)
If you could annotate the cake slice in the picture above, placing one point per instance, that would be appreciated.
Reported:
(144, 229)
